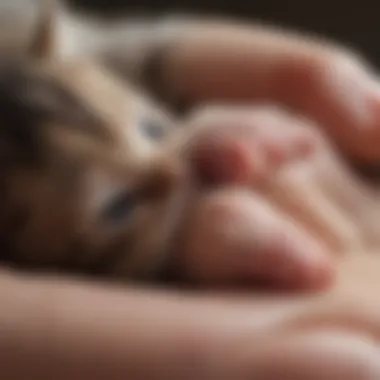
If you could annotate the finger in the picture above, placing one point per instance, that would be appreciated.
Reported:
(327, 83)
(236, 236)
(297, 191)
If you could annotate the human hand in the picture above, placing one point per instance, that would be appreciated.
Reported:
(64, 329)
(304, 208)
(327, 83)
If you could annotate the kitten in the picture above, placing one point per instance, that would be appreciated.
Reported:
(89, 181)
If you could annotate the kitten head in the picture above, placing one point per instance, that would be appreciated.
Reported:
(88, 180)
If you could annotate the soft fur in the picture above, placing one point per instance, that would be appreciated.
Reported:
(88, 180)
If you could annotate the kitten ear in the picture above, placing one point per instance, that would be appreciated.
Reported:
(43, 44)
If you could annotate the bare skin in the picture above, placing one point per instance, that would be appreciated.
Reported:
(245, 147)
(332, 87)
(308, 206)
(153, 335)
(326, 83)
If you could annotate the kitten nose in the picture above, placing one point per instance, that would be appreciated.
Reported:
(165, 175)
(216, 159)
